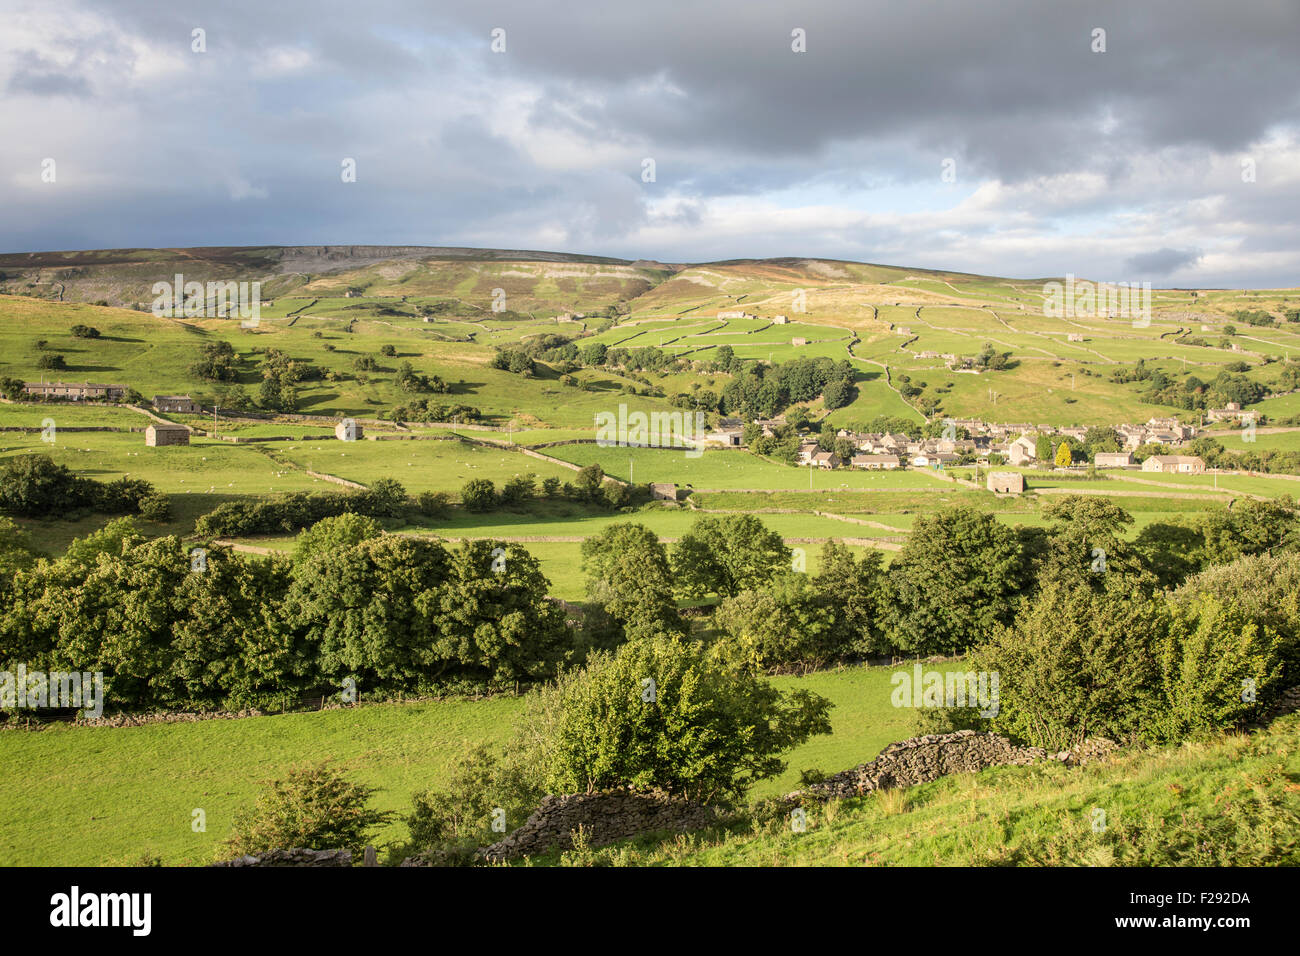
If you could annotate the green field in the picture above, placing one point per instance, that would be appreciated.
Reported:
(116, 794)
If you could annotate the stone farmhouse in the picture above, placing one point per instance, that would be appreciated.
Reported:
(176, 404)
(85, 392)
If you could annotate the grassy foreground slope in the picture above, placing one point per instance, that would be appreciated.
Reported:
(1233, 801)
(116, 794)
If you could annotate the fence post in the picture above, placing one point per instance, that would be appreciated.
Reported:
(371, 858)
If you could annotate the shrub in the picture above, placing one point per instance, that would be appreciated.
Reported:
(156, 507)
(1080, 662)
(478, 494)
(460, 812)
(433, 504)
(705, 729)
(314, 807)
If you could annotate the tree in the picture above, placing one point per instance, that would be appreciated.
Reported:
(365, 613)
(493, 619)
(337, 533)
(838, 393)
(789, 622)
(478, 494)
(661, 713)
(727, 554)
(1063, 457)
(852, 588)
(84, 331)
(957, 577)
(589, 482)
(1079, 663)
(52, 360)
(518, 489)
(15, 550)
(313, 807)
(628, 575)
(36, 486)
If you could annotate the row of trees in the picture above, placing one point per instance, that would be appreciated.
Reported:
(35, 486)
(393, 614)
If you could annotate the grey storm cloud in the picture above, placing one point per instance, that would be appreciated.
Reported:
(1163, 261)
(1130, 150)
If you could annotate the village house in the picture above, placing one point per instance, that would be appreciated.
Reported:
(1175, 464)
(85, 392)
(1229, 412)
(876, 462)
(1006, 482)
(155, 436)
(1022, 451)
(806, 452)
(825, 459)
(1113, 459)
(176, 404)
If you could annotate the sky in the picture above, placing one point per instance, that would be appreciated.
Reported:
(1004, 137)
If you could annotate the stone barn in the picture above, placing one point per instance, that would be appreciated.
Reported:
(155, 436)
(348, 430)
(1006, 482)
(663, 491)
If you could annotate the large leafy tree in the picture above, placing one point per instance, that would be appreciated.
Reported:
(363, 608)
(1080, 662)
(727, 554)
(494, 619)
(958, 576)
(628, 575)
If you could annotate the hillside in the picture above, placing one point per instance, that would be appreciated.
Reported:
(446, 311)
(1230, 801)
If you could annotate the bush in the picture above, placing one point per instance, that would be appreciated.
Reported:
(339, 532)
(518, 489)
(433, 504)
(459, 814)
(1080, 662)
(85, 332)
(478, 494)
(705, 729)
(314, 807)
(156, 507)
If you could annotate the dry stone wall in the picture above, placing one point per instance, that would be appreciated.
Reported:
(604, 818)
(294, 857)
(922, 759)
